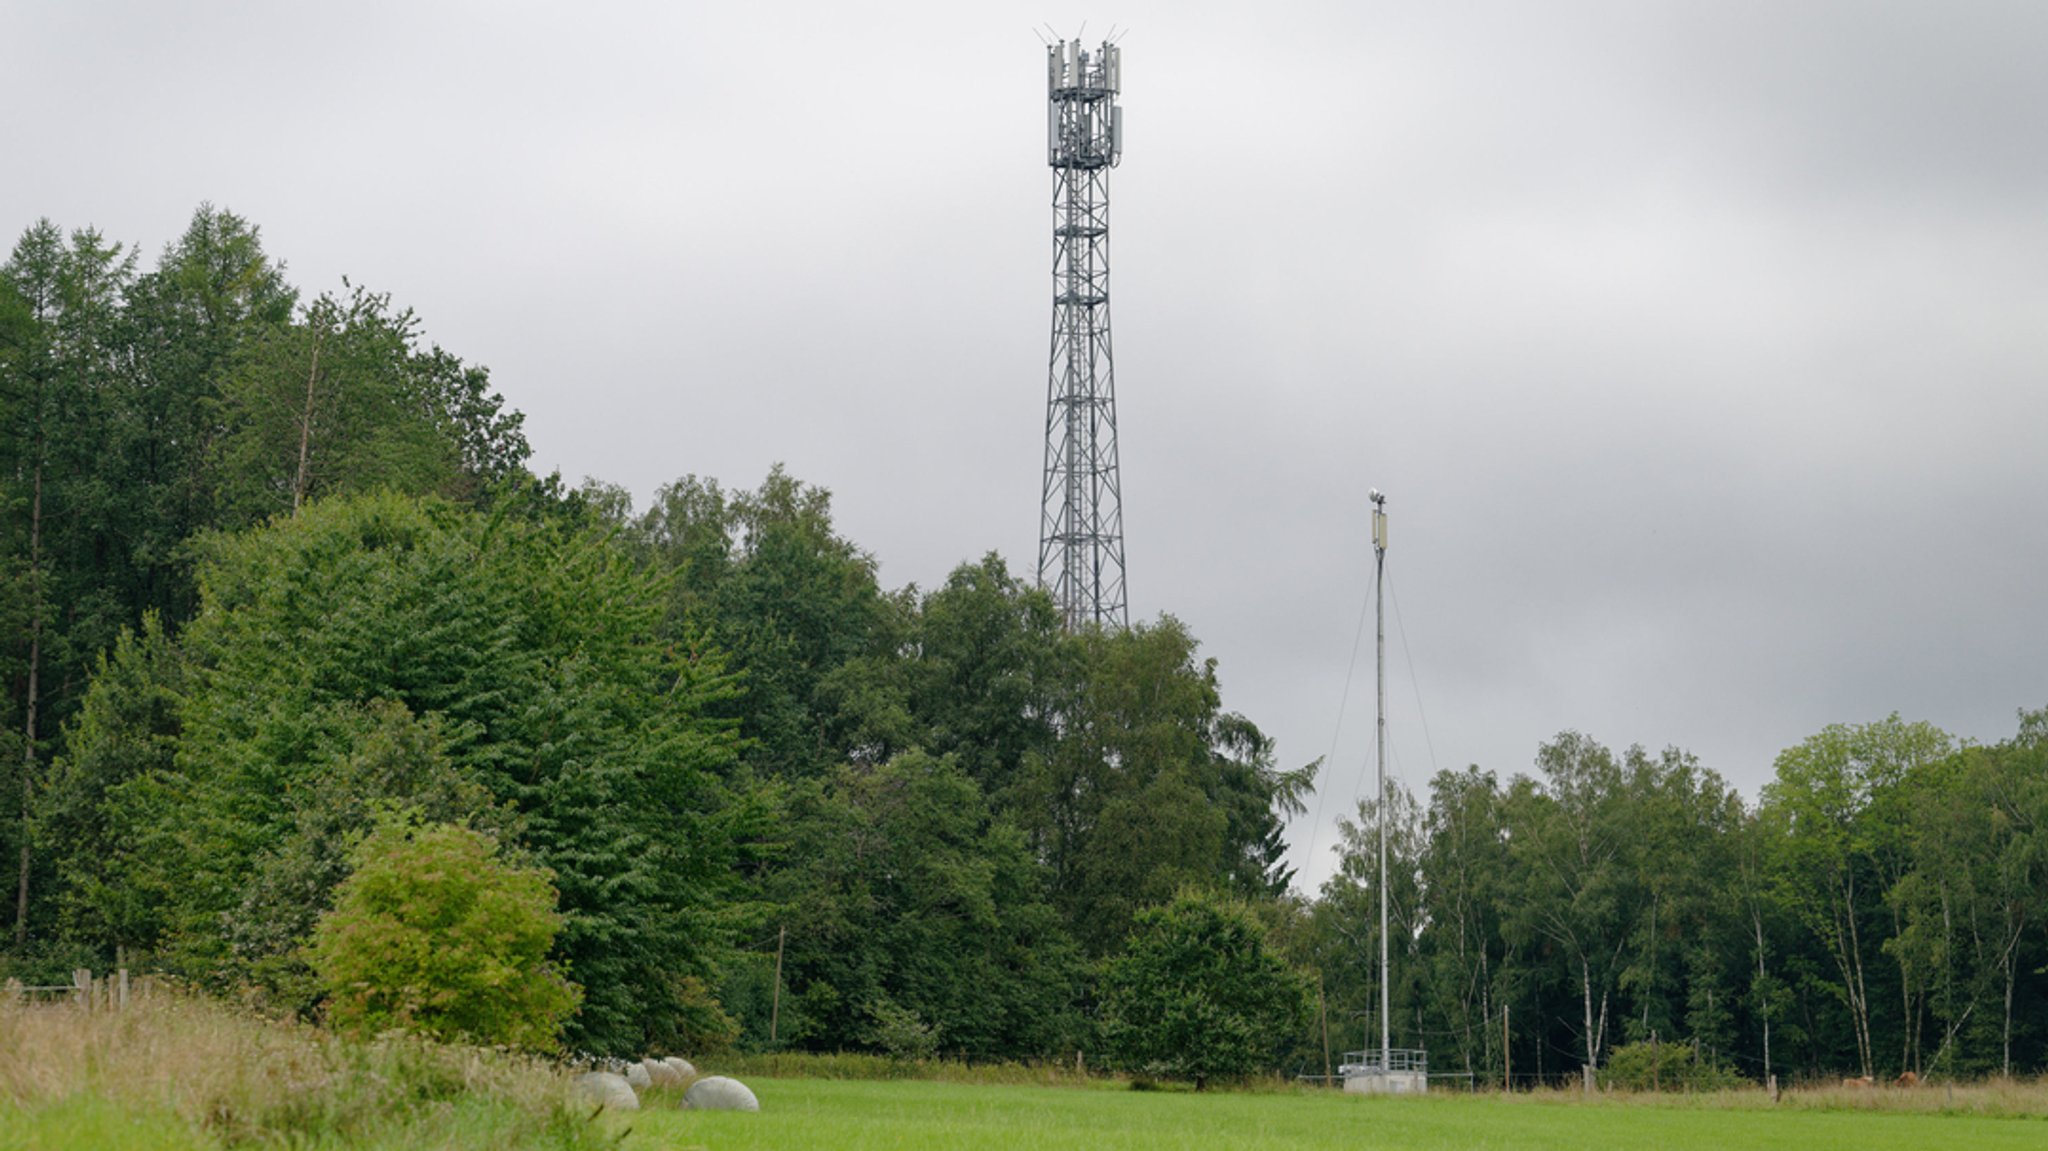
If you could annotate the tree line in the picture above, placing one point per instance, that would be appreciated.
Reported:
(276, 568)
(1881, 908)
(276, 571)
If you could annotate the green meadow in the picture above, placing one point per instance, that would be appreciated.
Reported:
(869, 1116)
(183, 1072)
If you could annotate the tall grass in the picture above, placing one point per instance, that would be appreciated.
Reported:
(213, 1077)
(2014, 1098)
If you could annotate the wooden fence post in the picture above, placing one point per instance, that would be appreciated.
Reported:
(1323, 1014)
(1507, 1057)
(775, 1006)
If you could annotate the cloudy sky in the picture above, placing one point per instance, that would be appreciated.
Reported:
(1701, 347)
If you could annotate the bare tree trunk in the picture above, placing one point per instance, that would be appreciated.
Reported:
(1592, 1048)
(2010, 962)
(1600, 1030)
(1851, 959)
(2005, 1067)
(775, 1008)
(1323, 1016)
(1650, 989)
(1764, 1009)
(1910, 1020)
(1948, 932)
(1485, 1005)
(35, 660)
(306, 425)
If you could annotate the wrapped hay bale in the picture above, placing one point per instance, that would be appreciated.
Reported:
(606, 1090)
(718, 1093)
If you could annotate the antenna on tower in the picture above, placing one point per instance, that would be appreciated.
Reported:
(1081, 523)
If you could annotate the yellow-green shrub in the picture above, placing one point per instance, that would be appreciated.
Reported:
(434, 934)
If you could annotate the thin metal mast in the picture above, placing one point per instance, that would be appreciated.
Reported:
(1081, 524)
(1379, 611)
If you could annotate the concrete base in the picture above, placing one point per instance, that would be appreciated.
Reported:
(1387, 1083)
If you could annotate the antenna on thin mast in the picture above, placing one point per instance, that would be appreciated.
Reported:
(1379, 588)
(1401, 1071)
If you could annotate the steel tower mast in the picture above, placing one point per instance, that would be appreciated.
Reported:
(1081, 526)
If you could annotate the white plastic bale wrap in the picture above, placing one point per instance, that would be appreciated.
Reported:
(606, 1090)
(718, 1093)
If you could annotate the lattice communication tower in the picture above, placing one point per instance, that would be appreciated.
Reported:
(1081, 528)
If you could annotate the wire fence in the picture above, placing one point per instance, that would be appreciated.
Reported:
(87, 992)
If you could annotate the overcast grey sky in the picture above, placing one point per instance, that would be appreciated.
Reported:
(1700, 347)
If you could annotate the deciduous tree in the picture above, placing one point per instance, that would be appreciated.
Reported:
(1197, 994)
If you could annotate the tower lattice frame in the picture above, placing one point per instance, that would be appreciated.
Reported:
(1081, 528)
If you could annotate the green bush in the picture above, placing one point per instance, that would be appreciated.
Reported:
(1667, 1067)
(434, 934)
(1198, 994)
(900, 1032)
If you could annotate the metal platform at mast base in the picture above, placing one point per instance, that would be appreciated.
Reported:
(1406, 1072)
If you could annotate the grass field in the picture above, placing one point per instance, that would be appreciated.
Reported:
(855, 1116)
(177, 1072)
